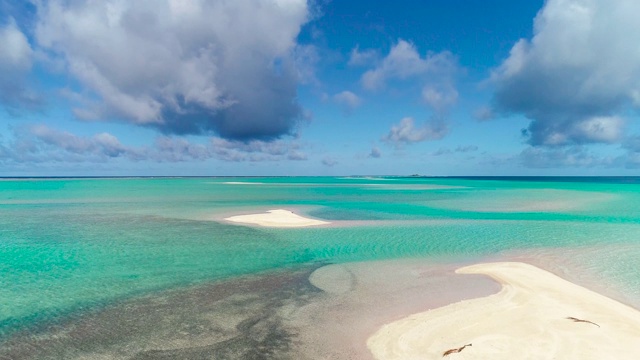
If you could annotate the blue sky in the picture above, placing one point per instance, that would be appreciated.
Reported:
(294, 87)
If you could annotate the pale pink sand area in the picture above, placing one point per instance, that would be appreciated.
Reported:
(276, 218)
(359, 298)
(527, 319)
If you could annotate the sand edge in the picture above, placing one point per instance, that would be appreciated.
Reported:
(279, 218)
(528, 318)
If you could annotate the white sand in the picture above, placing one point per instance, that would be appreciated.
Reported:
(527, 319)
(276, 218)
(359, 298)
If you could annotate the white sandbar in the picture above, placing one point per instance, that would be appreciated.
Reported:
(527, 319)
(276, 218)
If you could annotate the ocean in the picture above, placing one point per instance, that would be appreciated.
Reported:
(75, 250)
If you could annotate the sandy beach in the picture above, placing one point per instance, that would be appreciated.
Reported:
(536, 315)
(276, 218)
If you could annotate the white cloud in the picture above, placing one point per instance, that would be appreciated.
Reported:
(15, 52)
(256, 150)
(440, 96)
(605, 129)
(16, 57)
(183, 66)
(435, 72)
(347, 100)
(175, 149)
(404, 61)
(579, 71)
(406, 132)
(41, 143)
(297, 155)
(61, 139)
(362, 58)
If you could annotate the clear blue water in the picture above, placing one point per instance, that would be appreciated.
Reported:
(71, 245)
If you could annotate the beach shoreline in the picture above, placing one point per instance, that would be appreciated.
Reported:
(535, 314)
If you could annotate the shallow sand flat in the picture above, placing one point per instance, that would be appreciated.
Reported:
(276, 218)
(527, 319)
(358, 298)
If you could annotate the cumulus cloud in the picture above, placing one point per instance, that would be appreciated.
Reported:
(347, 100)
(576, 75)
(404, 61)
(406, 132)
(183, 67)
(256, 150)
(362, 58)
(16, 51)
(440, 96)
(296, 155)
(41, 143)
(435, 73)
(176, 149)
(16, 57)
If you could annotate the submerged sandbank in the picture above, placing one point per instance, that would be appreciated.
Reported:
(289, 314)
(276, 218)
(533, 316)
(360, 297)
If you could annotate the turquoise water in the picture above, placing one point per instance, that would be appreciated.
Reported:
(71, 245)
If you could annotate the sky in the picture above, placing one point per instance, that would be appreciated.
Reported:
(319, 87)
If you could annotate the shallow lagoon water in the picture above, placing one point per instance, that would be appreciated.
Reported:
(71, 246)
